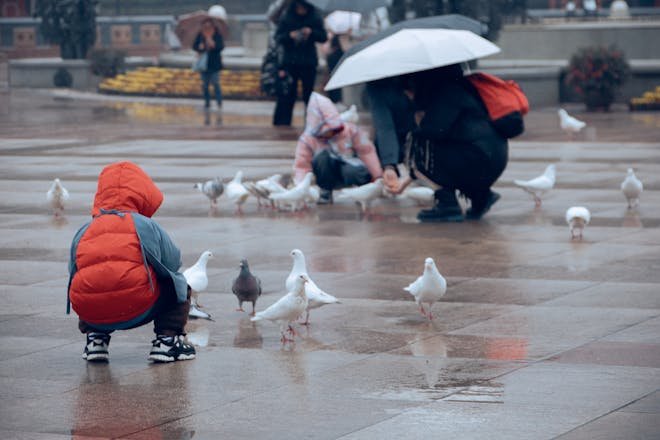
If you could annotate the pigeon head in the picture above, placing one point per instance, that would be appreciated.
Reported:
(301, 280)
(198, 186)
(429, 263)
(630, 172)
(239, 176)
(562, 112)
(551, 171)
(245, 267)
(206, 255)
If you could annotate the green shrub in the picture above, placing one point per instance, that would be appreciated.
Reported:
(62, 78)
(107, 62)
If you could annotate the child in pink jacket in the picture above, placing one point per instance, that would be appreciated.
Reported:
(338, 153)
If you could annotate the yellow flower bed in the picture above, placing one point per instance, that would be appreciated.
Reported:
(648, 101)
(173, 82)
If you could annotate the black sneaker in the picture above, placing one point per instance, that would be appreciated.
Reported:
(481, 205)
(170, 349)
(96, 349)
(446, 208)
(325, 197)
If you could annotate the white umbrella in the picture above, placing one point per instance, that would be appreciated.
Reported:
(410, 50)
(343, 22)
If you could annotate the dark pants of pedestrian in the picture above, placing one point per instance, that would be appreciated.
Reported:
(284, 106)
(333, 173)
(208, 79)
(168, 314)
(462, 167)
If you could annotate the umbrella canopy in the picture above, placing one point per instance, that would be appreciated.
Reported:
(189, 25)
(449, 21)
(348, 5)
(410, 50)
(343, 22)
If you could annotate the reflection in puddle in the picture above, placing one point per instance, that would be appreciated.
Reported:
(248, 335)
(632, 219)
(111, 405)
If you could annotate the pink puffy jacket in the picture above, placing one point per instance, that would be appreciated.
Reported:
(322, 115)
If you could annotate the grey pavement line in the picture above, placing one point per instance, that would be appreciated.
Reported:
(604, 415)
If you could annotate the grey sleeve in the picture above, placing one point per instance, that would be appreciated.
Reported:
(170, 255)
(387, 141)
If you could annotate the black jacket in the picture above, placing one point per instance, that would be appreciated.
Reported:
(393, 116)
(214, 63)
(454, 115)
(300, 52)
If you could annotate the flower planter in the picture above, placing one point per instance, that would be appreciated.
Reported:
(598, 100)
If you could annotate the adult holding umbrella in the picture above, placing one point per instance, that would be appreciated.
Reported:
(392, 110)
(299, 29)
(455, 146)
(209, 44)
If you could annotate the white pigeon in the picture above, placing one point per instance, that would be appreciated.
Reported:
(315, 296)
(365, 194)
(56, 196)
(262, 189)
(257, 192)
(198, 281)
(577, 218)
(420, 194)
(540, 185)
(236, 192)
(295, 197)
(632, 188)
(313, 195)
(211, 189)
(350, 115)
(271, 184)
(428, 288)
(568, 123)
(287, 309)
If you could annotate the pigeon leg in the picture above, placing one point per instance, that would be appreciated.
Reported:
(421, 310)
(430, 314)
(292, 331)
(240, 307)
(306, 319)
(253, 312)
(537, 201)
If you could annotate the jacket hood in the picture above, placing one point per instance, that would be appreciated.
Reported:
(322, 116)
(124, 186)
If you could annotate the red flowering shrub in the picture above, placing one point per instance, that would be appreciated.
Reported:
(597, 69)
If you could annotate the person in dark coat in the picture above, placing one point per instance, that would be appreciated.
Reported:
(393, 117)
(298, 30)
(334, 52)
(209, 40)
(455, 145)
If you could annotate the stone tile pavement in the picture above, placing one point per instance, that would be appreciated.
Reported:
(538, 337)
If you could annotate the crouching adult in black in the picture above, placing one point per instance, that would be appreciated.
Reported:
(455, 146)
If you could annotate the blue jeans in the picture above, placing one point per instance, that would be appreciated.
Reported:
(214, 79)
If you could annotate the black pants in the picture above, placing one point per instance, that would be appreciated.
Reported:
(333, 173)
(284, 106)
(168, 314)
(461, 167)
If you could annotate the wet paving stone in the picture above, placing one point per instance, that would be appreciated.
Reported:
(538, 336)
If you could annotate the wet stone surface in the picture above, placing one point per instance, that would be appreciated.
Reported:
(537, 337)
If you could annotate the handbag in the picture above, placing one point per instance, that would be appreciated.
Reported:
(201, 63)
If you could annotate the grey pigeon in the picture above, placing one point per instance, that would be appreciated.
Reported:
(246, 287)
(211, 189)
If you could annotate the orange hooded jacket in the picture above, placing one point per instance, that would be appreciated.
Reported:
(121, 257)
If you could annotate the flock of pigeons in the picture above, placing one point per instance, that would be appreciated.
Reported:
(271, 192)
(303, 295)
(578, 217)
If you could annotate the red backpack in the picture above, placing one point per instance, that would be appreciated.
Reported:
(505, 102)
